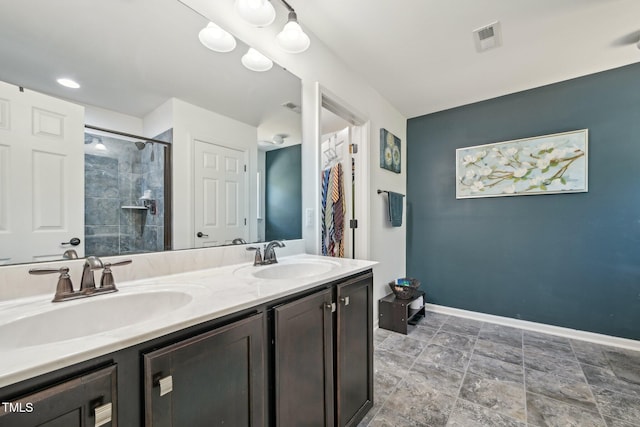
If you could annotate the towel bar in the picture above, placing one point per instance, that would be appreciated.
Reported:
(386, 191)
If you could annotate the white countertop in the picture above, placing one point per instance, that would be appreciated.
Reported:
(216, 292)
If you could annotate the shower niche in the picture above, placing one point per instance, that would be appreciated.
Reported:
(126, 191)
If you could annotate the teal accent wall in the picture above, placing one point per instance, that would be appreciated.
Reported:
(283, 193)
(570, 260)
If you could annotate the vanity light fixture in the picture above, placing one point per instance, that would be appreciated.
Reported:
(255, 61)
(259, 13)
(292, 39)
(216, 39)
(66, 82)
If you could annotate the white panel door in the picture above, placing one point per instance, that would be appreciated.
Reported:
(219, 194)
(41, 176)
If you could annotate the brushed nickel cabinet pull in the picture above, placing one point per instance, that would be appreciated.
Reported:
(166, 385)
(103, 414)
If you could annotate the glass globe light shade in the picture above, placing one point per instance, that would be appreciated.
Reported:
(255, 61)
(259, 13)
(216, 39)
(292, 39)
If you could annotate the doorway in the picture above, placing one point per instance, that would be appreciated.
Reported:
(344, 141)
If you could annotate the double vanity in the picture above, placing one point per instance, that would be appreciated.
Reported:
(284, 344)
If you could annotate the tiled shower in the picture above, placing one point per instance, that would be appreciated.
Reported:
(118, 172)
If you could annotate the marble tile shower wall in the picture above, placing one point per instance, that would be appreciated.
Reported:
(118, 177)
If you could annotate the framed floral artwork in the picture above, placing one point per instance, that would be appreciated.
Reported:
(548, 164)
(389, 151)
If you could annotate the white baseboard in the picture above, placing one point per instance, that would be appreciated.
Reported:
(539, 327)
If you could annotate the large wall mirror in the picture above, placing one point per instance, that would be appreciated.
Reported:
(142, 72)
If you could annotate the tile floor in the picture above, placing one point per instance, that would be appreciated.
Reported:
(451, 371)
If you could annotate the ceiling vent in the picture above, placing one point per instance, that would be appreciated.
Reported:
(488, 37)
(292, 106)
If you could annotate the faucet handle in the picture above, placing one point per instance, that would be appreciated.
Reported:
(257, 260)
(107, 283)
(64, 288)
(70, 254)
(118, 264)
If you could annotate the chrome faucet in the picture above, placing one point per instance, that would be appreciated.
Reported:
(270, 253)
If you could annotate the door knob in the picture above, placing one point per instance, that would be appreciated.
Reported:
(201, 234)
(73, 242)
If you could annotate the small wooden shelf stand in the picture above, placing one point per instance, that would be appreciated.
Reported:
(395, 314)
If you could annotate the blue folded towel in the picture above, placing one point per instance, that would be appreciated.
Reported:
(395, 208)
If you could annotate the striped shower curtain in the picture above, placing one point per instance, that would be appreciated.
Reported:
(333, 211)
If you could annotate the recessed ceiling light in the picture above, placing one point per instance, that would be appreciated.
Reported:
(68, 83)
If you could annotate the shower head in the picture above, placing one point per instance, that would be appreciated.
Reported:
(140, 145)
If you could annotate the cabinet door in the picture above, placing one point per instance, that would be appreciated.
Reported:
(304, 362)
(216, 378)
(354, 353)
(68, 404)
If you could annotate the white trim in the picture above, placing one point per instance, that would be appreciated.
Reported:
(339, 107)
(539, 327)
(363, 174)
(327, 99)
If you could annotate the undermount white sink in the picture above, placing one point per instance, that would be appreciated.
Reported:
(67, 320)
(289, 269)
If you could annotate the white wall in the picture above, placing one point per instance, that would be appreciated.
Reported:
(159, 120)
(319, 64)
(189, 123)
(100, 117)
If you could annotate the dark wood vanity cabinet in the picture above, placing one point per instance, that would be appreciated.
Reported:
(324, 356)
(216, 378)
(301, 360)
(87, 400)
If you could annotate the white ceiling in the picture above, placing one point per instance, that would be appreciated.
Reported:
(420, 54)
(132, 55)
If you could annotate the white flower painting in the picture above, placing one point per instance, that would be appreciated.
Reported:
(541, 165)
